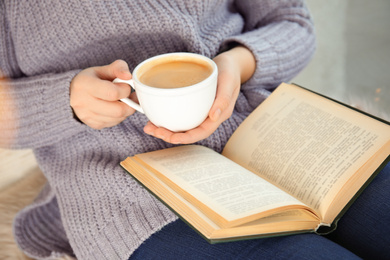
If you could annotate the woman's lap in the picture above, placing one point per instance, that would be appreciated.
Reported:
(363, 230)
(178, 241)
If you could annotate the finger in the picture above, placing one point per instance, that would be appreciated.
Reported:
(134, 97)
(97, 121)
(106, 90)
(201, 132)
(149, 128)
(194, 135)
(158, 132)
(117, 69)
(224, 97)
(163, 133)
(114, 109)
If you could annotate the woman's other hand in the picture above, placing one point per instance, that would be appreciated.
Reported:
(234, 68)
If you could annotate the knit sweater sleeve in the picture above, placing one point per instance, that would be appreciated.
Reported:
(34, 111)
(280, 34)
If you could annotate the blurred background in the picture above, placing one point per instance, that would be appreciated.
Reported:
(352, 61)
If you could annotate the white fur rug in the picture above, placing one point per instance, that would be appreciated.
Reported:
(12, 199)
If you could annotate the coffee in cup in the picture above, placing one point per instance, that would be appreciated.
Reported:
(175, 74)
(175, 90)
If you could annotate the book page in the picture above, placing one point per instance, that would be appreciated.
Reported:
(206, 178)
(287, 221)
(305, 144)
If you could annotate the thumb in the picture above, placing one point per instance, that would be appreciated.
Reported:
(224, 97)
(221, 103)
(117, 69)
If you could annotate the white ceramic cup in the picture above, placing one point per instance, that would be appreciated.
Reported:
(176, 109)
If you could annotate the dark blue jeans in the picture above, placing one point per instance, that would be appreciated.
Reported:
(363, 232)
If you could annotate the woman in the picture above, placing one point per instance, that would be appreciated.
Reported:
(58, 60)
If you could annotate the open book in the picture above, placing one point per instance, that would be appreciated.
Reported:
(294, 165)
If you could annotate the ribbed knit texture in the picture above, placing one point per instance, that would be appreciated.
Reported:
(91, 208)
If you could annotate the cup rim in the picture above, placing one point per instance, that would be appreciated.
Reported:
(181, 90)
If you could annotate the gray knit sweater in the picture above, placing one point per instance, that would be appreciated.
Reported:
(90, 207)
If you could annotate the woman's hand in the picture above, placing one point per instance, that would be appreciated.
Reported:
(95, 99)
(234, 68)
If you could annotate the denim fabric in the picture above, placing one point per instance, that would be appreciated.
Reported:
(363, 232)
(365, 227)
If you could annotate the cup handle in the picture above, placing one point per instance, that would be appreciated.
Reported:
(128, 101)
